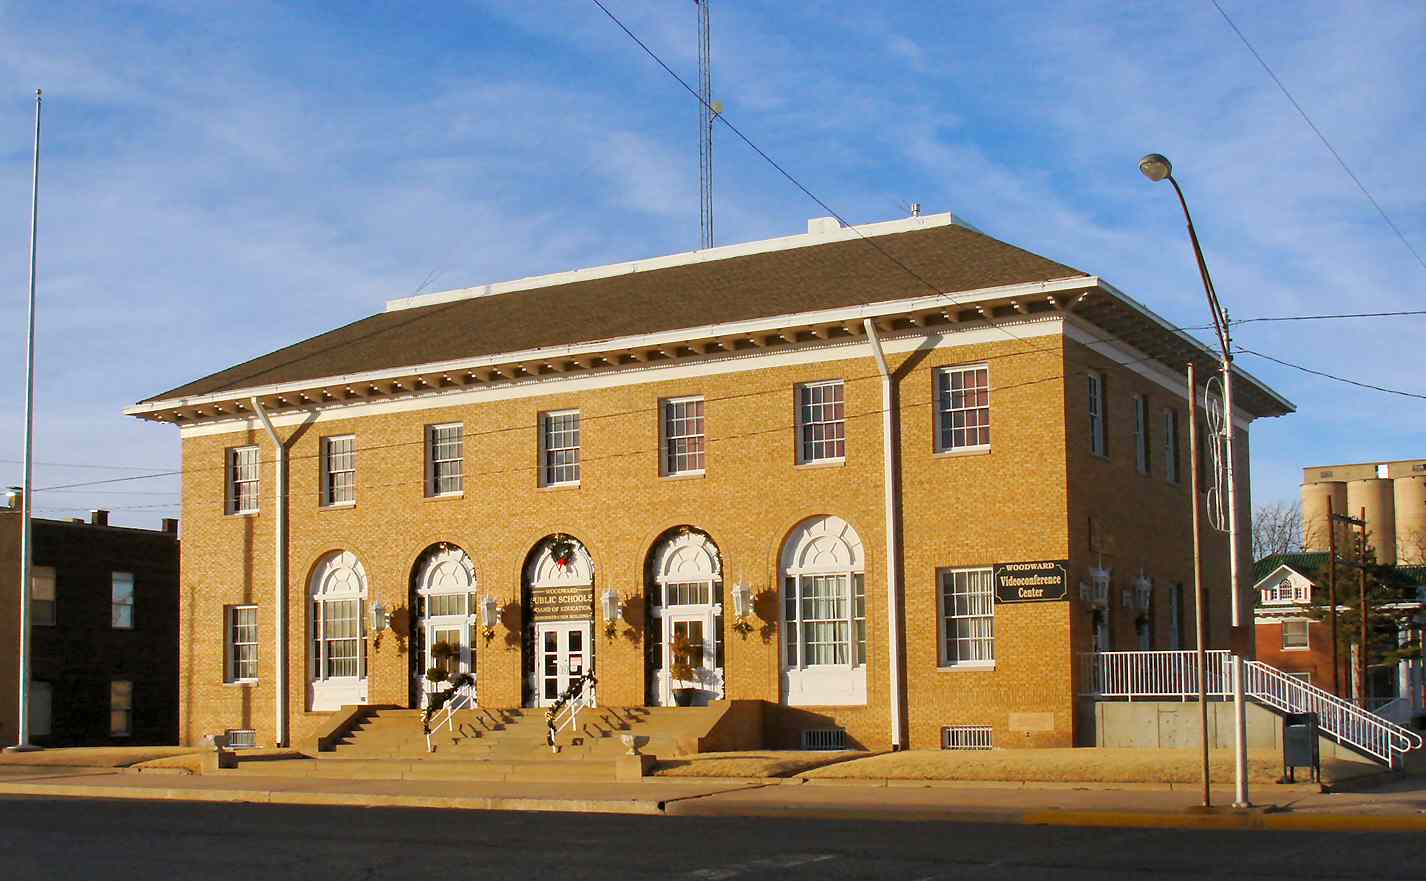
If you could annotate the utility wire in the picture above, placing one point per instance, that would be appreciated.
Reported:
(1321, 137)
(1328, 317)
(1366, 385)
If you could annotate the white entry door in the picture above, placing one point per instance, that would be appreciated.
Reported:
(452, 634)
(562, 654)
(697, 629)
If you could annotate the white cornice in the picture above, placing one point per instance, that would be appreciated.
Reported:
(930, 302)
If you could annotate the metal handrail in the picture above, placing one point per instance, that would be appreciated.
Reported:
(1174, 674)
(461, 697)
(577, 696)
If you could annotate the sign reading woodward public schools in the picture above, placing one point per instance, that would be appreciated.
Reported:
(1033, 582)
(562, 603)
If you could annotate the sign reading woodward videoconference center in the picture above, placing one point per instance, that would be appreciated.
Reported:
(1033, 582)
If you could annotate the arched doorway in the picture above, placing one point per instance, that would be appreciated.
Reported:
(685, 601)
(823, 614)
(338, 591)
(443, 596)
(559, 617)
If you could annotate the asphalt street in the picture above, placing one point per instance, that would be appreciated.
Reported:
(173, 841)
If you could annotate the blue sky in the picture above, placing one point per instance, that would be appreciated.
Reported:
(221, 180)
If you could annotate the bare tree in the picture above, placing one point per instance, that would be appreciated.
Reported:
(1277, 529)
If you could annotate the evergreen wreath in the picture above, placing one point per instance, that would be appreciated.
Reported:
(562, 551)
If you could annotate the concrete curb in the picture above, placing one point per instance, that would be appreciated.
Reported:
(648, 807)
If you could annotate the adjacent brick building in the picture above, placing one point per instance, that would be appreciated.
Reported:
(922, 549)
(104, 641)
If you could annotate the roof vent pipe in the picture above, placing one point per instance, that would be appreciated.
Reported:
(98, 517)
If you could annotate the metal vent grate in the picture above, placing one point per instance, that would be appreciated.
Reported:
(965, 737)
(240, 738)
(824, 738)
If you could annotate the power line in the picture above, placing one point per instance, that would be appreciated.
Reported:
(1321, 137)
(1328, 317)
(1366, 385)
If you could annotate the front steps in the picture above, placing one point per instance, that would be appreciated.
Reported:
(498, 744)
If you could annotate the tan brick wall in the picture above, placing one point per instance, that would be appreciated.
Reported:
(1014, 503)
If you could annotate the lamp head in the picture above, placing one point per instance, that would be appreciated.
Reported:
(1156, 167)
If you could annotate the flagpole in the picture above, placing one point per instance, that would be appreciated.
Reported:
(22, 743)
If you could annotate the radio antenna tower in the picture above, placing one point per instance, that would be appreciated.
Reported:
(707, 117)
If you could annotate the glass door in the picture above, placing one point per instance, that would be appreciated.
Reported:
(563, 658)
(689, 632)
(446, 649)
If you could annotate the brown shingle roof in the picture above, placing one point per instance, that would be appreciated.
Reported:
(818, 276)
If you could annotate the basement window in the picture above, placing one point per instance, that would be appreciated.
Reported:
(824, 738)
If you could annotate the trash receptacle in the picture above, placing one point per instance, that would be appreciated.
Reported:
(1299, 746)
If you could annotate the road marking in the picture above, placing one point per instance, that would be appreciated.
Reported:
(735, 869)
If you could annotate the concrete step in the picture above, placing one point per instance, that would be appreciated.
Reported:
(432, 769)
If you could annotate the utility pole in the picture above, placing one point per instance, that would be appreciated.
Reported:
(1200, 654)
(1332, 594)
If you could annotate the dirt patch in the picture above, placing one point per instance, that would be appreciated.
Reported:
(1083, 765)
(764, 763)
(94, 756)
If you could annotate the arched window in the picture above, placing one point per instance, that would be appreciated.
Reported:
(559, 617)
(445, 596)
(339, 592)
(686, 601)
(824, 613)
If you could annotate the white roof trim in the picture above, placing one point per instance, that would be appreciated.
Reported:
(820, 231)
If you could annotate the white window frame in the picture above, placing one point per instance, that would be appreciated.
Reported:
(559, 473)
(1143, 441)
(983, 593)
(1293, 646)
(230, 638)
(1098, 435)
(1173, 452)
(127, 730)
(333, 467)
(946, 409)
(244, 470)
(323, 643)
(812, 419)
(854, 617)
(39, 576)
(115, 605)
(433, 489)
(667, 457)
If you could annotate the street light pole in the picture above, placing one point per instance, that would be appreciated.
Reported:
(1157, 167)
(22, 742)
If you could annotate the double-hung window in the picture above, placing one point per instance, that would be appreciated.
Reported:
(1171, 447)
(683, 436)
(336, 649)
(1294, 635)
(242, 644)
(42, 596)
(967, 618)
(826, 620)
(339, 470)
(559, 448)
(244, 480)
(1142, 458)
(445, 459)
(1098, 444)
(121, 708)
(121, 600)
(822, 422)
(963, 408)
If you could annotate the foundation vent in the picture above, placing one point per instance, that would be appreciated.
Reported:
(965, 737)
(824, 738)
(240, 738)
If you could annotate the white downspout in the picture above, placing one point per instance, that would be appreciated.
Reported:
(280, 578)
(893, 546)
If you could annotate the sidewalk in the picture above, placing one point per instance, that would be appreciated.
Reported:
(1400, 806)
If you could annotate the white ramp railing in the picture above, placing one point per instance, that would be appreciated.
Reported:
(461, 697)
(565, 711)
(1174, 675)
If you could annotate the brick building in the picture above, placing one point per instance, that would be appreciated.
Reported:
(104, 640)
(935, 466)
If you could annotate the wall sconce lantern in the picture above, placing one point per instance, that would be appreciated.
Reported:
(489, 615)
(379, 619)
(613, 610)
(742, 607)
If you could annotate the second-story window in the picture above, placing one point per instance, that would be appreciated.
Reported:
(339, 470)
(822, 422)
(244, 480)
(559, 448)
(1171, 448)
(1097, 441)
(963, 408)
(42, 596)
(445, 458)
(683, 436)
(121, 601)
(1141, 434)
